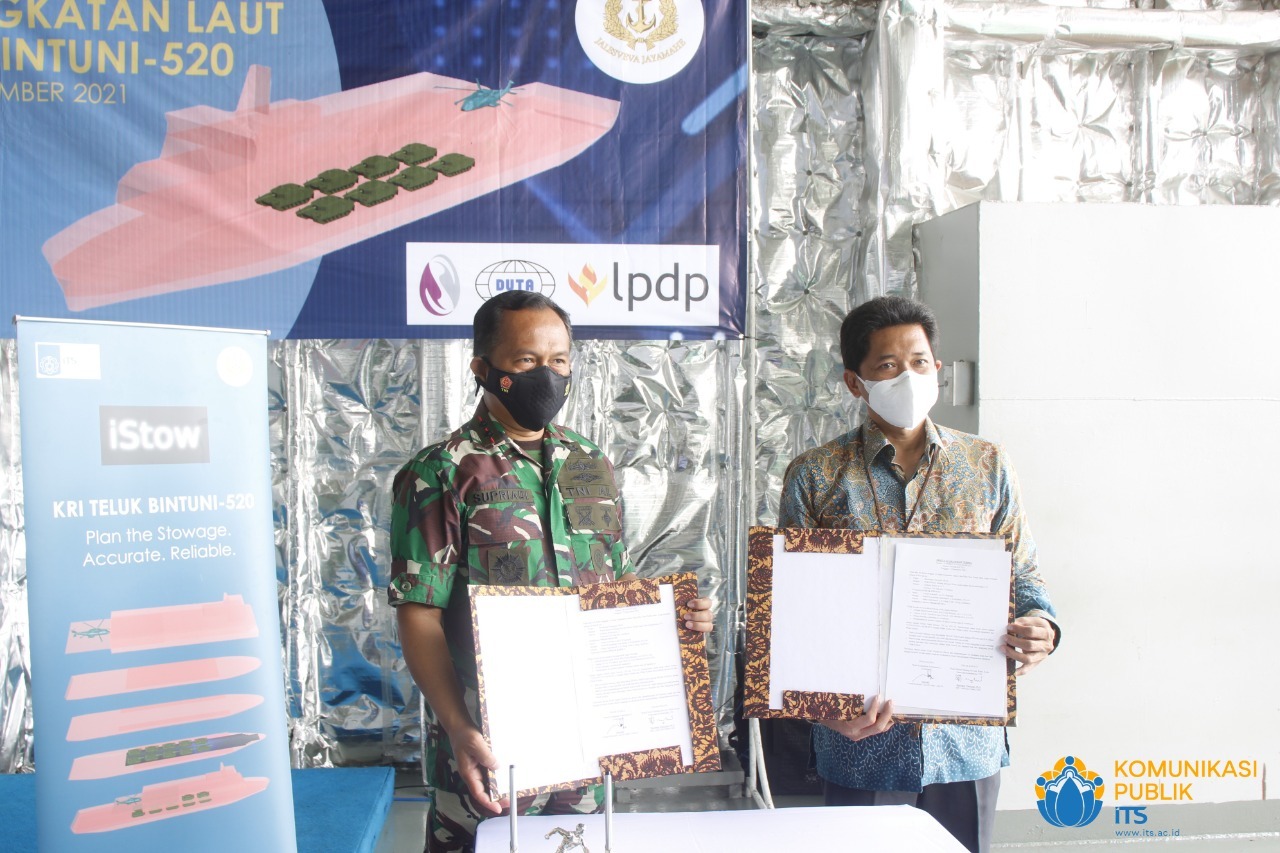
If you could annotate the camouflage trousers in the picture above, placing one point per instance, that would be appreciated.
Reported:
(453, 817)
(451, 827)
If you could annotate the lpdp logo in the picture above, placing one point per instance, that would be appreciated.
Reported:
(1070, 794)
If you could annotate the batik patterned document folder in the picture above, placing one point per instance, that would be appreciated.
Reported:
(578, 681)
(832, 611)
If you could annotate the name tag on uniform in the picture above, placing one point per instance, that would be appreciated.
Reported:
(608, 492)
(493, 496)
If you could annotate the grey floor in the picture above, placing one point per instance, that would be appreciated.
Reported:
(1202, 828)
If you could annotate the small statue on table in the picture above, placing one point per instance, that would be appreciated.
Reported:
(569, 840)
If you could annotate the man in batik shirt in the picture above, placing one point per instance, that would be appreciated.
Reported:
(509, 498)
(900, 471)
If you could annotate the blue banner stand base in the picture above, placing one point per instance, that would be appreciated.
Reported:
(337, 810)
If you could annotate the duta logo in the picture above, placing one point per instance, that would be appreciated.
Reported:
(439, 286)
(1070, 794)
(514, 275)
(153, 435)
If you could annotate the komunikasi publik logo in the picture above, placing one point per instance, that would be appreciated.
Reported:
(1070, 794)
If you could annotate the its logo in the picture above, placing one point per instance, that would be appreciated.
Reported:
(439, 287)
(1070, 794)
(49, 362)
(587, 286)
(506, 383)
(68, 361)
(514, 275)
(640, 41)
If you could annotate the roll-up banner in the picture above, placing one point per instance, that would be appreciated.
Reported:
(345, 169)
(155, 637)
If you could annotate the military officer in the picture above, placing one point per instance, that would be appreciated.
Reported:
(508, 498)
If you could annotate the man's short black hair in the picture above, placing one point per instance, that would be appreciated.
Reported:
(484, 329)
(881, 313)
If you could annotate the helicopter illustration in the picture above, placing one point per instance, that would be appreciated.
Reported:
(93, 631)
(483, 96)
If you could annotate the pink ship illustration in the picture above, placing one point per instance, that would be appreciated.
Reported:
(238, 194)
(169, 799)
(153, 756)
(142, 717)
(111, 682)
(164, 627)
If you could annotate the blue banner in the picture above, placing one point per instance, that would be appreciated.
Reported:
(336, 168)
(155, 635)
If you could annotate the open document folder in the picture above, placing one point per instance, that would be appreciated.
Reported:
(577, 681)
(835, 616)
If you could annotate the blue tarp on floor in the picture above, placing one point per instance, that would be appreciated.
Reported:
(337, 810)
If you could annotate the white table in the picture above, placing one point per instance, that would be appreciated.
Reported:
(862, 828)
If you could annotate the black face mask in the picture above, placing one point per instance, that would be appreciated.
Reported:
(533, 397)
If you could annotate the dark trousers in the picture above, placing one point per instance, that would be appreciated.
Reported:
(966, 809)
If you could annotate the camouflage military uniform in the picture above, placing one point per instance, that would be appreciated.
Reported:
(478, 509)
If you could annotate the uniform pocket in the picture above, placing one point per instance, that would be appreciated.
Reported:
(499, 537)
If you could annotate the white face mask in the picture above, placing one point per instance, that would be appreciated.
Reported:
(903, 400)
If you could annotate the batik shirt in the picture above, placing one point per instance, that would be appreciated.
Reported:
(972, 489)
(479, 509)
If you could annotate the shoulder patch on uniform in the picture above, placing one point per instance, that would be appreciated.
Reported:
(592, 517)
(579, 461)
(508, 567)
(583, 470)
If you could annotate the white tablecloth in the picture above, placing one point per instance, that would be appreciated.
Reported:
(864, 828)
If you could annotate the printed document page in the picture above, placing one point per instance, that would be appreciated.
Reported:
(633, 694)
(826, 622)
(950, 609)
(599, 682)
(531, 682)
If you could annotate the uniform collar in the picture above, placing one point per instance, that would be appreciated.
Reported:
(874, 441)
(493, 433)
